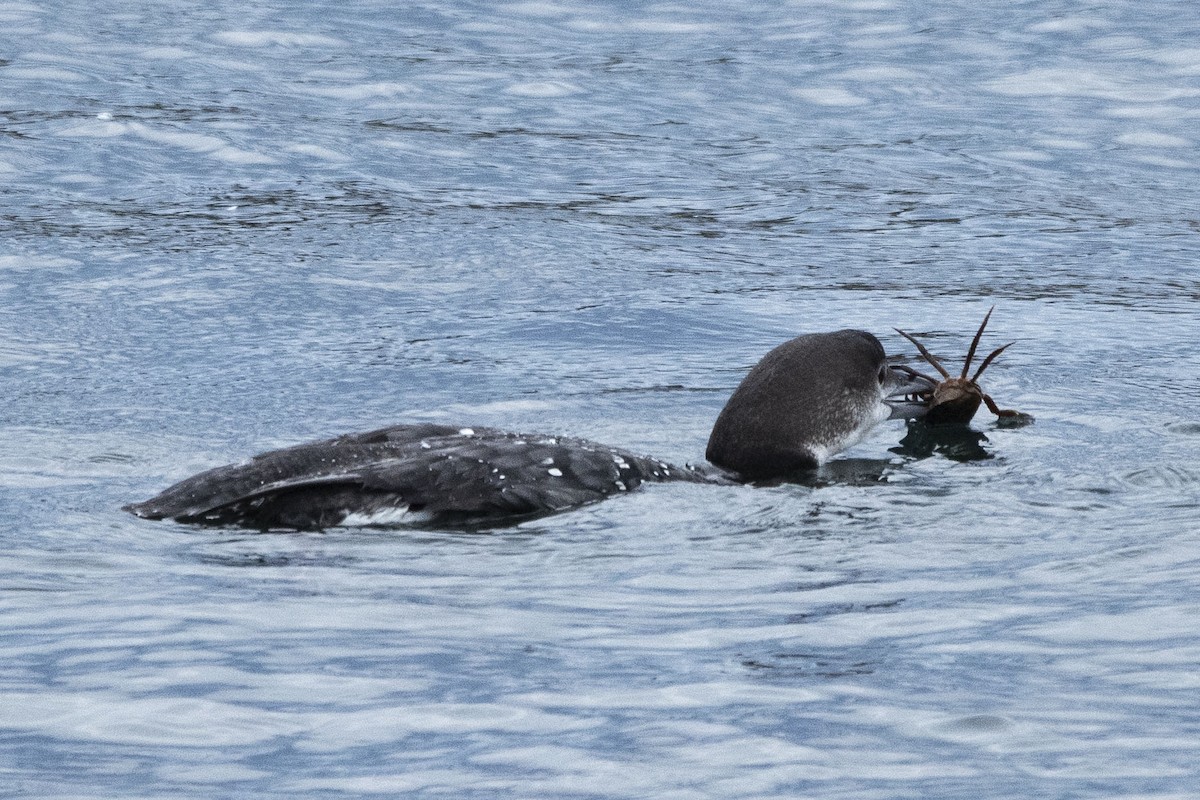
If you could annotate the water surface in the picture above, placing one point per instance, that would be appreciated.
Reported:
(228, 228)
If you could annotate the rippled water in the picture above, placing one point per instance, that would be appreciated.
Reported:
(227, 228)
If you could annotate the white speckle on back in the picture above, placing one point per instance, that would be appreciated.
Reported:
(466, 431)
(547, 462)
(555, 472)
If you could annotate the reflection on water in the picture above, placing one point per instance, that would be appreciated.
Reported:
(955, 442)
(233, 227)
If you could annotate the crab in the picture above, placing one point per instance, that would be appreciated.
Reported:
(956, 399)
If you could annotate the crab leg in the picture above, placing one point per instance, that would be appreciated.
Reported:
(995, 409)
(989, 360)
(928, 355)
(911, 371)
(975, 343)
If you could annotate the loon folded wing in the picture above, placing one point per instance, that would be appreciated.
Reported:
(328, 460)
(439, 471)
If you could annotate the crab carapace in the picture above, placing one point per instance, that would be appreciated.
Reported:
(955, 399)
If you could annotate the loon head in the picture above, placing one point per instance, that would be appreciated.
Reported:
(808, 399)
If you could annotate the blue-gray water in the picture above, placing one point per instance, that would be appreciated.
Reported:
(231, 226)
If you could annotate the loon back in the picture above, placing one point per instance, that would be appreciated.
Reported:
(409, 473)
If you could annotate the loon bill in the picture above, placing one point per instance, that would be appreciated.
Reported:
(806, 400)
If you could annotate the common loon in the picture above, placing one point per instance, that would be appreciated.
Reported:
(806, 400)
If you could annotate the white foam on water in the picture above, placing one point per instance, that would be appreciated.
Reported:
(1153, 139)
(276, 38)
(545, 89)
(830, 96)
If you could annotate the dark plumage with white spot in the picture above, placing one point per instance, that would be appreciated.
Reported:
(409, 473)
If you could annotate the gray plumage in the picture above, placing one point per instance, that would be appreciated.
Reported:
(807, 399)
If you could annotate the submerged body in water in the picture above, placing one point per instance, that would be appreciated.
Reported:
(806, 400)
